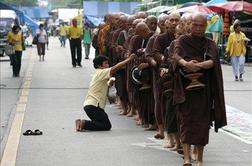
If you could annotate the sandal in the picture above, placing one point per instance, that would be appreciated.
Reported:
(28, 132)
(187, 164)
(37, 132)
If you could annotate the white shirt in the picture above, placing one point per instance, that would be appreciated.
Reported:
(42, 35)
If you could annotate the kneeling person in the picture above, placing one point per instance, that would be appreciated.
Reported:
(97, 95)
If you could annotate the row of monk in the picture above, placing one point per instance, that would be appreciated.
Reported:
(175, 84)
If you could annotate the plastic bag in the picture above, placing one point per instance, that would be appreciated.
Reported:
(112, 92)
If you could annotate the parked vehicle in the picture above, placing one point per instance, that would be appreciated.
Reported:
(7, 19)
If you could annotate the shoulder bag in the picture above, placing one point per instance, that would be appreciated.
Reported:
(9, 49)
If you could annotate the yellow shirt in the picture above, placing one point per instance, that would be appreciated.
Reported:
(75, 32)
(98, 88)
(15, 39)
(63, 30)
(236, 44)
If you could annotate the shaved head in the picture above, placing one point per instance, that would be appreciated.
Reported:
(141, 15)
(161, 22)
(199, 17)
(172, 22)
(198, 25)
(142, 30)
(151, 21)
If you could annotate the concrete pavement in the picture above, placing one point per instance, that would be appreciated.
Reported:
(49, 96)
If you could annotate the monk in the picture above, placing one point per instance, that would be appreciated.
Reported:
(128, 46)
(150, 62)
(148, 114)
(118, 53)
(102, 36)
(162, 41)
(137, 46)
(198, 108)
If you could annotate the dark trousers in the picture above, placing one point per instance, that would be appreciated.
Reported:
(99, 119)
(16, 62)
(75, 44)
(41, 49)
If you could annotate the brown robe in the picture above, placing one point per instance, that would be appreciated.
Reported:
(198, 108)
(149, 56)
(102, 36)
(121, 74)
(128, 70)
(171, 123)
(162, 41)
(110, 47)
(137, 43)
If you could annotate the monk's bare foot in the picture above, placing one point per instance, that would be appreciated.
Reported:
(123, 113)
(151, 128)
(136, 117)
(169, 146)
(78, 124)
(175, 148)
(159, 136)
(130, 114)
(139, 122)
(199, 163)
(193, 156)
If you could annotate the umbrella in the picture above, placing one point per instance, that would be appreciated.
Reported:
(157, 10)
(216, 24)
(187, 4)
(212, 2)
(232, 6)
(196, 8)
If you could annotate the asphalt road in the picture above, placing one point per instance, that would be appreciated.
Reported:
(49, 96)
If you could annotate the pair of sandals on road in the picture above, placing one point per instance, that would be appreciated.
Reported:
(30, 132)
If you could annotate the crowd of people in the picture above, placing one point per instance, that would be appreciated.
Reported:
(167, 76)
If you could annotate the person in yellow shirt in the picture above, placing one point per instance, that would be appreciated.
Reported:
(63, 34)
(236, 49)
(75, 35)
(97, 94)
(15, 38)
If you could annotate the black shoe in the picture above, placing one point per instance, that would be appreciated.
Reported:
(86, 57)
(241, 79)
(236, 78)
(80, 65)
(74, 65)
